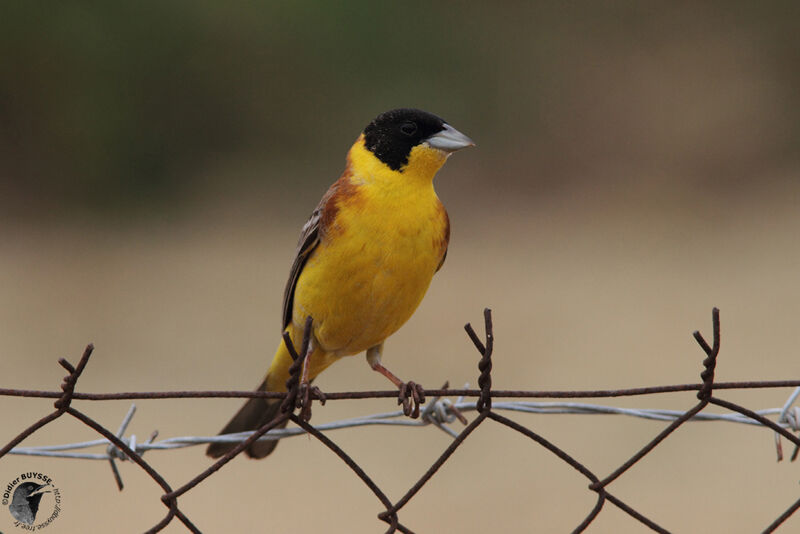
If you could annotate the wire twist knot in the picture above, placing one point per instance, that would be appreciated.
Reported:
(710, 363)
(485, 365)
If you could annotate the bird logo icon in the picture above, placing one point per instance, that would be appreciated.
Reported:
(25, 502)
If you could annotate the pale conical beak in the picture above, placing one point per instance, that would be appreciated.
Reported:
(40, 490)
(449, 140)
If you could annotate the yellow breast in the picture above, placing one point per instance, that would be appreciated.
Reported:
(378, 256)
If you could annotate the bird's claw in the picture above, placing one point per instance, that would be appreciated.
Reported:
(306, 392)
(411, 395)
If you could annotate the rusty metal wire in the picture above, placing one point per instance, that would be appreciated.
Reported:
(297, 408)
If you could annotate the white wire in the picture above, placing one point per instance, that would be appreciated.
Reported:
(437, 413)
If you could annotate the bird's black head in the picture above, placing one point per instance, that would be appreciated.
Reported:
(393, 134)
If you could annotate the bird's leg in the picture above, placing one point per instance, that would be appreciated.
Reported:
(411, 394)
(307, 363)
(374, 360)
(303, 401)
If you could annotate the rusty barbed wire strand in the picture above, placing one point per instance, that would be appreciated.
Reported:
(300, 395)
(378, 394)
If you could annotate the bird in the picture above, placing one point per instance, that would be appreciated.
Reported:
(25, 502)
(365, 258)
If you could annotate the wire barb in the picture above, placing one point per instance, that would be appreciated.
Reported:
(710, 363)
(114, 452)
(791, 418)
(68, 385)
(485, 363)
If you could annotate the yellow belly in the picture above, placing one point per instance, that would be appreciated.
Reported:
(367, 277)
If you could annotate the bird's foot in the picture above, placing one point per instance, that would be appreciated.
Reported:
(306, 392)
(411, 395)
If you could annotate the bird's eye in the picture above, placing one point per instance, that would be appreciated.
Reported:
(408, 128)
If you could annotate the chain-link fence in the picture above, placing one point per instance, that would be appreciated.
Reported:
(440, 411)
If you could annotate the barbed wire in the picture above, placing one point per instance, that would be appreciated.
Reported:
(442, 411)
(443, 419)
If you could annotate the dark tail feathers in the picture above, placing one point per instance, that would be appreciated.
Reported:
(253, 415)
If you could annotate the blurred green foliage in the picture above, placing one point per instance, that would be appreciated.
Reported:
(120, 105)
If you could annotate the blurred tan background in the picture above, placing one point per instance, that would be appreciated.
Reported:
(637, 164)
